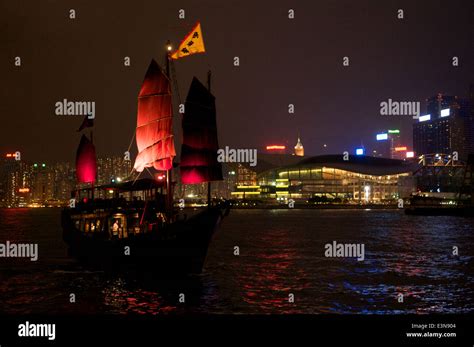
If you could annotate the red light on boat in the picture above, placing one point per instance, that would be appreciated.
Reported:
(275, 147)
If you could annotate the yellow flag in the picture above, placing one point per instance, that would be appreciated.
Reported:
(193, 43)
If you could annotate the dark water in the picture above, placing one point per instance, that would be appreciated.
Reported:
(281, 252)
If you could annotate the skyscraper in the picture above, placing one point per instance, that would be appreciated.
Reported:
(15, 181)
(42, 182)
(299, 149)
(445, 128)
(111, 168)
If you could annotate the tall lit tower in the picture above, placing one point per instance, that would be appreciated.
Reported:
(299, 150)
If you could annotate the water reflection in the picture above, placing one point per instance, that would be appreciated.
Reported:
(281, 253)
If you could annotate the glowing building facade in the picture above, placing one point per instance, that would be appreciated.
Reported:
(360, 180)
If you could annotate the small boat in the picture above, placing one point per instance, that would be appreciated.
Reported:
(135, 224)
(429, 205)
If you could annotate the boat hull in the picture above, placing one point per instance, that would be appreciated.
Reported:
(183, 251)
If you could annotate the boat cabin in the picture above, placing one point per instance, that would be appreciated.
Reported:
(121, 210)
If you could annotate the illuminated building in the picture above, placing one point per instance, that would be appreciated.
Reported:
(394, 140)
(387, 141)
(42, 182)
(14, 178)
(198, 192)
(299, 150)
(64, 181)
(446, 128)
(111, 168)
(362, 179)
(246, 176)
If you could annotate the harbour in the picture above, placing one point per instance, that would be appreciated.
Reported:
(281, 253)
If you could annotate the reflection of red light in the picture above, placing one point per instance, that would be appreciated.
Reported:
(400, 149)
(275, 147)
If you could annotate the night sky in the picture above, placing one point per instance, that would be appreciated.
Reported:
(282, 61)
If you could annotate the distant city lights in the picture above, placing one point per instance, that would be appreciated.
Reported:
(381, 137)
(400, 149)
(394, 131)
(424, 118)
(445, 113)
(275, 147)
(410, 154)
(360, 151)
(15, 155)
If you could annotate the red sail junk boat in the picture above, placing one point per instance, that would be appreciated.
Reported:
(139, 226)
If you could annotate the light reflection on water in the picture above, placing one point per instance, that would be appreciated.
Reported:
(281, 253)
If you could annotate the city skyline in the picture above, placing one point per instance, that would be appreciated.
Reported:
(185, 161)
(93, 70)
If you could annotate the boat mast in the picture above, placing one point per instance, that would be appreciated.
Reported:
(169, 198)
(209, 182)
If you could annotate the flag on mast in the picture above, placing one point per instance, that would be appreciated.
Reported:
(193, 43)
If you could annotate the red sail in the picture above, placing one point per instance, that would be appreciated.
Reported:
(155, 122)
(86, 165)
(199, 151)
